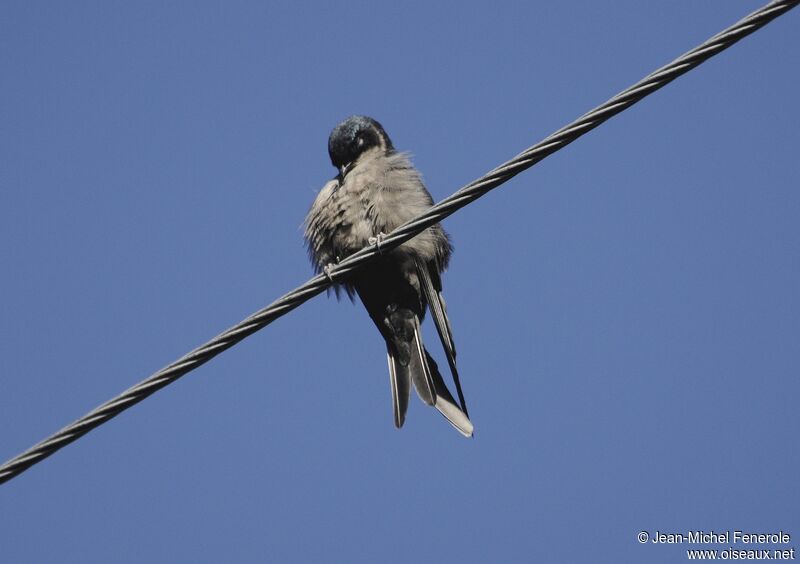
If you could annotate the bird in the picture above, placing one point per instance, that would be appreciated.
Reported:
(377, 189)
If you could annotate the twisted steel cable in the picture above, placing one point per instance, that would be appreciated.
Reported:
(435, 214)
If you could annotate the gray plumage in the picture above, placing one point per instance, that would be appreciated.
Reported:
(377, 190)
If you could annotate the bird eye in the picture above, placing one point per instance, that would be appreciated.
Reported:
(360, 141)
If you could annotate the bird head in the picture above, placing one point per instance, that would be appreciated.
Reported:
(354, 137)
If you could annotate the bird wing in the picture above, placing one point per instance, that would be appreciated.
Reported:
(431, 285)
(444, 400)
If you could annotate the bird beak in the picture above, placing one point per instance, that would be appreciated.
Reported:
(345, 168)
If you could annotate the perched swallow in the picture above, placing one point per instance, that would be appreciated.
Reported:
(376, 190)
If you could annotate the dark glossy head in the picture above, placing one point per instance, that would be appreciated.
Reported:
(352, 138)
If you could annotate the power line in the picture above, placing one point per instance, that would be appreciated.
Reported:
(435, 214)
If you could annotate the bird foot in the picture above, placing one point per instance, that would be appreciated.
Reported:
(377, 241)
(327, 270)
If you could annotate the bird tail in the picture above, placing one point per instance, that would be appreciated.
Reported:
(445, 402)
(409, 362)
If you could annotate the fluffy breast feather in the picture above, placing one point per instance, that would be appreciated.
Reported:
(378, 195)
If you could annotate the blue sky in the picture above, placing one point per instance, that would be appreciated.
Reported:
(626, 313)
